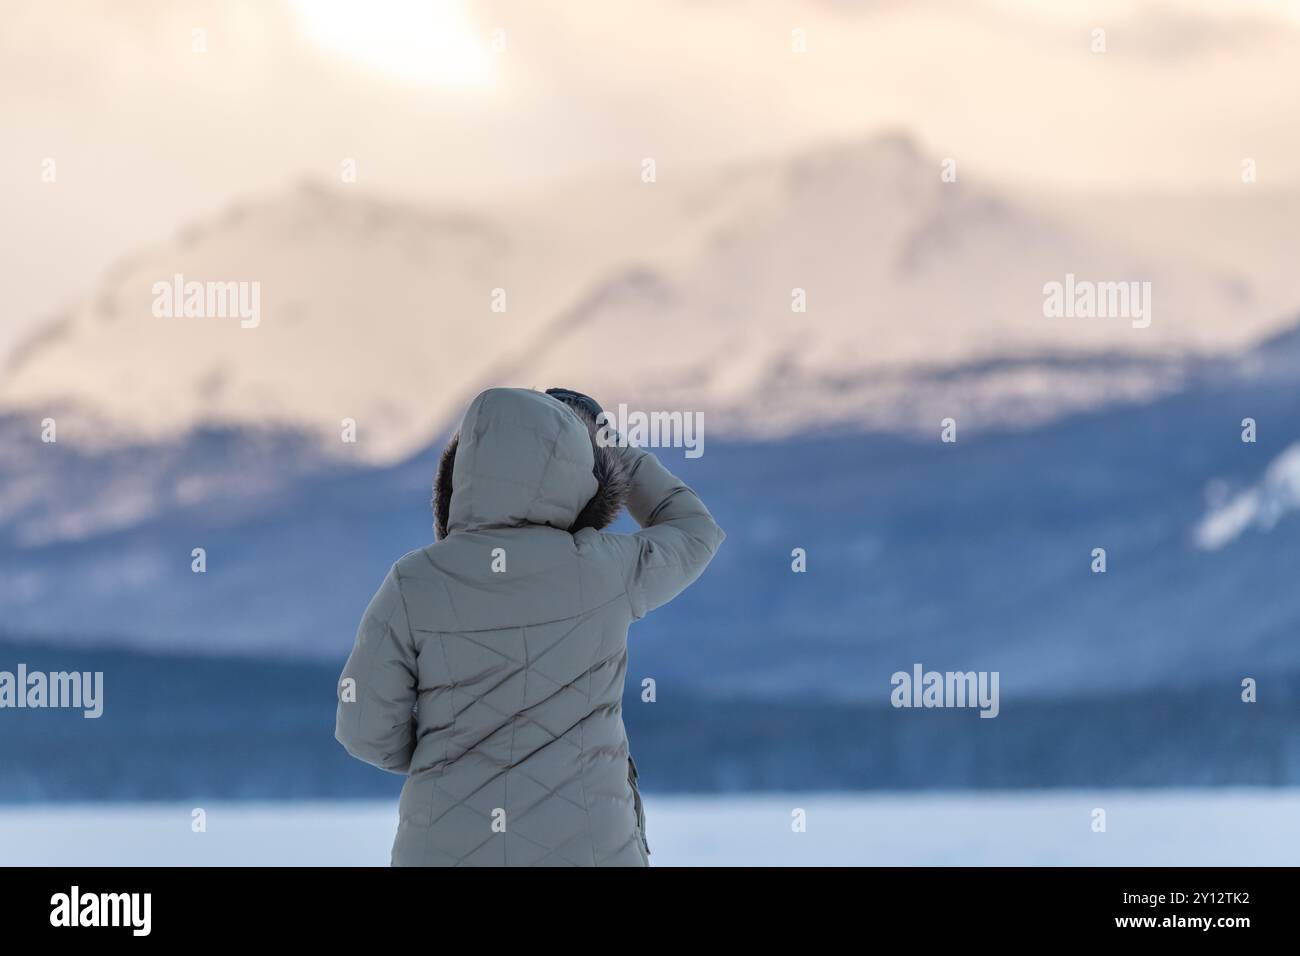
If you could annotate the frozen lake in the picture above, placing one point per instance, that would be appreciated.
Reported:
(1178, 828)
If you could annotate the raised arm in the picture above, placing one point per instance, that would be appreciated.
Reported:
(678, 536)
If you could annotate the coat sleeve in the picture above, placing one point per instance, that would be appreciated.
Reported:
(377, 690)
(678, 536)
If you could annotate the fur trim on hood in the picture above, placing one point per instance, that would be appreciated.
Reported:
(610, 471)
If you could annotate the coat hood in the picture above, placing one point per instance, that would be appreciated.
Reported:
(524, 458)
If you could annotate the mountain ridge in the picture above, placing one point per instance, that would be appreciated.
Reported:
(380, 311)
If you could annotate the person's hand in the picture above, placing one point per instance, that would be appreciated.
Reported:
(577, 400)
(606, 435)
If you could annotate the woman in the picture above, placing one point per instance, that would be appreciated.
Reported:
(489, 666)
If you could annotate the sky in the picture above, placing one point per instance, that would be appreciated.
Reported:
(152, 114)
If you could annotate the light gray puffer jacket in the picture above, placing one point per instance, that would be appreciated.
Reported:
(499, 692)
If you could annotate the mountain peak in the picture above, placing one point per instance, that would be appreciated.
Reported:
(853, 268)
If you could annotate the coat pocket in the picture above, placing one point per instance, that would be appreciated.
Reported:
(636, 802)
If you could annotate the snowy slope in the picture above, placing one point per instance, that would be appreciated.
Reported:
(668, 294)
(1259, 507)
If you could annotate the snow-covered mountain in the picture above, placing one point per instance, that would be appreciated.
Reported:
(924, 300)
(672, 294)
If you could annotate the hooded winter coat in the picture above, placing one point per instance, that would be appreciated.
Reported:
(489, 666)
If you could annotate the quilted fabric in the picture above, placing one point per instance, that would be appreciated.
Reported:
(489, 666)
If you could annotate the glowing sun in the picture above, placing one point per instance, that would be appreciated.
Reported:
(429, 41)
